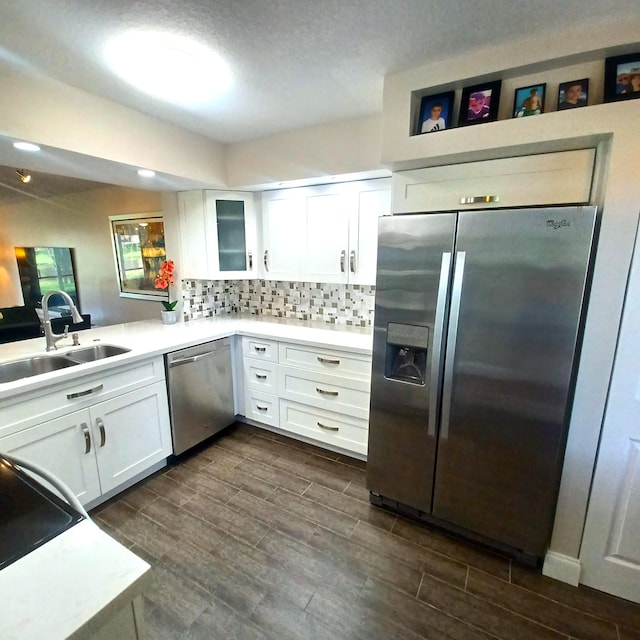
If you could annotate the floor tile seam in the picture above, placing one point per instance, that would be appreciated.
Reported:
(190, 540)
(324, 526)
(214, 477)
(442, 553)
(319, 451)
(219, 527)
(106, 526)
(442, 612)
(278, 470)
(584, 612)
(516, 614)
(437, 554)
(342, 464)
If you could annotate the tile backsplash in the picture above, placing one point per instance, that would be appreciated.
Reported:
(344, 304)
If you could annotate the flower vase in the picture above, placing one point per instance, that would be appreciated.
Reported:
(169, 317)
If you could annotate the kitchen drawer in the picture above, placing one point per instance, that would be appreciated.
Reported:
(331, 428)
(262, 349)
(262, 407)
(326, 360)
(260, 376)
(333, 393)
(23, 411)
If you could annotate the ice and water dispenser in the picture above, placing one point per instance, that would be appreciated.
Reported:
(406, 353)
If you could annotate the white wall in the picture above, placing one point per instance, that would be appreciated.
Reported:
(81, 221)
(50, 113)
(315, 153)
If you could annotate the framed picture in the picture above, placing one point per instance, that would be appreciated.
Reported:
(622, 77)
(529, 101)
(436, 112)
(479, 103)
(573, 94)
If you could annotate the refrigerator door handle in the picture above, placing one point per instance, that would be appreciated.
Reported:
(436, 349)
(456, 294)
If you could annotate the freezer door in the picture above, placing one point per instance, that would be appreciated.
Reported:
(517, 293)
(414, 263)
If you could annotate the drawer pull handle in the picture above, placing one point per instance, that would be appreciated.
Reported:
(266, 260)
(261, 376)
(259, 408)
(86, 392)
(352, 261)
(327, 360)
(87, 437)
(250, 254)
(103, 433)
(342, 259)
(324, 392)
(327, 427)
(260, 349)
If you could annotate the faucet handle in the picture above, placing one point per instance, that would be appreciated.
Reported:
(65, 333)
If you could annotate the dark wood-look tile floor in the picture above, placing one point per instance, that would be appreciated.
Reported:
(258, 536)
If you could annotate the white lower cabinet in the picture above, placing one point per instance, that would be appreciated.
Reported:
(318, 393)
(64, 447)
(335, 429)
(100, 447)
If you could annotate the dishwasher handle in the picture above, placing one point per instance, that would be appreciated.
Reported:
(179, 361)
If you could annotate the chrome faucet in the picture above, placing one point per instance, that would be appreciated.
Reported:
(50, 337)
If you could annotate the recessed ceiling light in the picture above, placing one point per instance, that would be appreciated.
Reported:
(26, 146)
(146, 173)
(168, 66)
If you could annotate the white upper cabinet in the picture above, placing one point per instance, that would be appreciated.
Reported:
(326, 233)
(544, 179)
(327, 237)
(218, 234)
(283, 229)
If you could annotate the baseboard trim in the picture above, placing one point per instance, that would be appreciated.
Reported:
(561, 567)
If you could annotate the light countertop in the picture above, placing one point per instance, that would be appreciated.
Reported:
(79, 580)
(150, 338)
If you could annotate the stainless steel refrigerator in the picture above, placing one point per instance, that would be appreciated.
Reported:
(476, 334)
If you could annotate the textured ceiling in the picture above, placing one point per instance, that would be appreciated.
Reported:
(295, 62)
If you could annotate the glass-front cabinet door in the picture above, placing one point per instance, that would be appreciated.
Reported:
(217, 234)
(231, 233)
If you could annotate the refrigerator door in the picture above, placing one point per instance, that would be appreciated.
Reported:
(517, 294)
(414, 263)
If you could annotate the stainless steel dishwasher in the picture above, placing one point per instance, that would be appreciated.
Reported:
(200, 392)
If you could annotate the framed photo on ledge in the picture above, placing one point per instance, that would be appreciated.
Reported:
(529, 101)
(573, 94)
(436, 112)
(479, 103)
(622, 77)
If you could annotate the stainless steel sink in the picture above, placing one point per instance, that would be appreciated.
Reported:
(34, 366)
(96, 352)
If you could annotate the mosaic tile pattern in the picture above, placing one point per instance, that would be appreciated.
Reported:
(343, 304)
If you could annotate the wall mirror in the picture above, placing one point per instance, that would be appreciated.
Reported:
(44, 269)
(139, 251)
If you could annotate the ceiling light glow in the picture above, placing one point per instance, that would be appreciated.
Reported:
(146, 173)
(26, 146)
(168, 66)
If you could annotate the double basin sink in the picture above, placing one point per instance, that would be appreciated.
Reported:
(37, 365)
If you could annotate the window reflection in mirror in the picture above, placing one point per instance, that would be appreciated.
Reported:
(43, 269)
(138, 242)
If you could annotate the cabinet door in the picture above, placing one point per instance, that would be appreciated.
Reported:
(131, 432)
(363, 235)
(194, 236)
(283, 236)
(327, 237)
(65, 447)
(232, 231)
